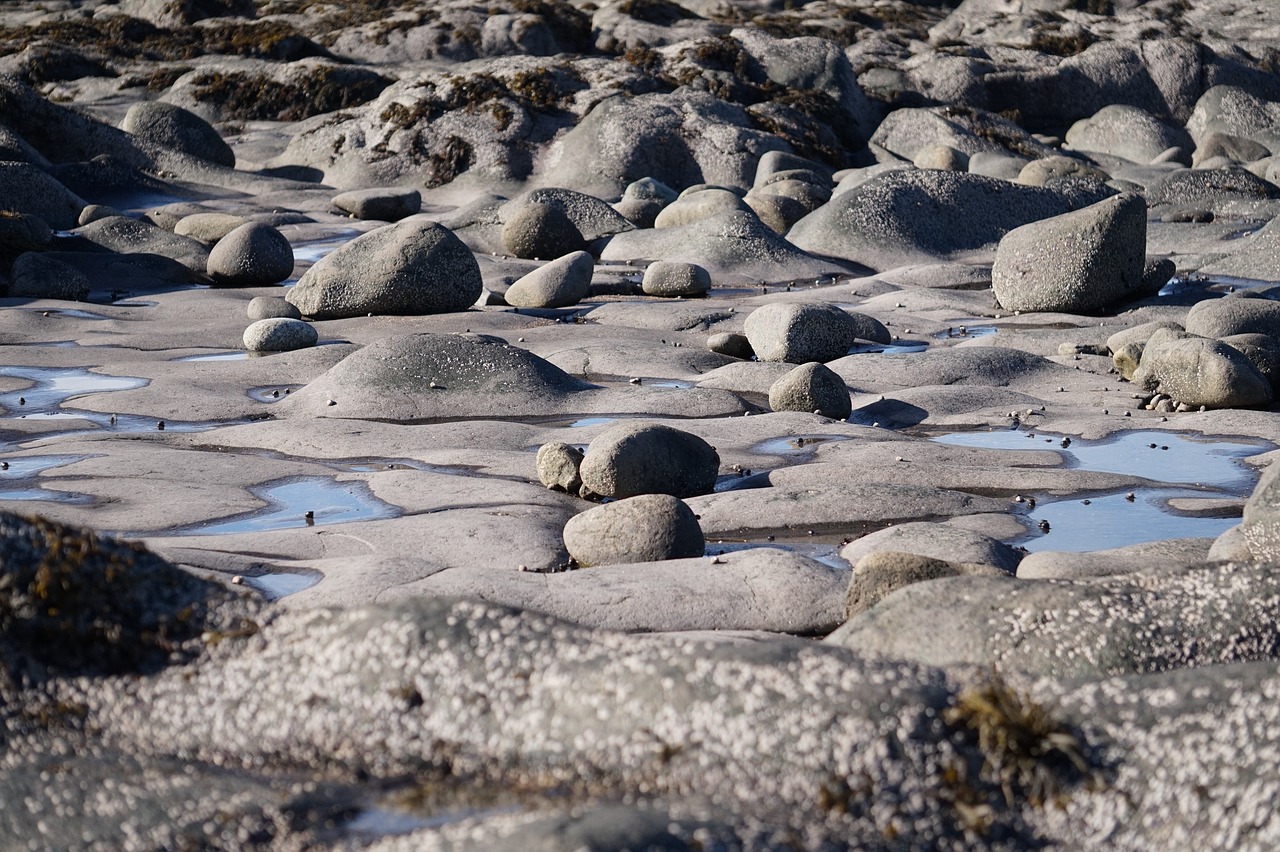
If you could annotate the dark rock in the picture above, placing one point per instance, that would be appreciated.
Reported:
(160, 123)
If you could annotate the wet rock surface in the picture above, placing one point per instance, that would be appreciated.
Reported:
(713, 299)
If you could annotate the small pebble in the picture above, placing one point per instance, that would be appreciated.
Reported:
(1130, 496)
(160, 426)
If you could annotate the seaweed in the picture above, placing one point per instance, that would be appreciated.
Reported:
(253, 97)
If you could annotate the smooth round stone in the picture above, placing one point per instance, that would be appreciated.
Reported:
(637, 458)
(389, 204)
(279, 335)
(173, 127)
(208, 228)
(878, 575)
(272, 307)
(558, 466)
(730, 343)
(252, 255)
(798, 333)
(561, 283)
(537, 230)
(35, 276)
(672, 279)
(646, 528)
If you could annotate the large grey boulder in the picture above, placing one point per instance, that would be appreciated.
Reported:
(906, 132)
(695, 206)
(252, 255)
(1149, 621)
(409, 268)
(390, 204)
(916, 216)
(1237, 112)
(1129, 132)
(1234, 315)
(535, 230)
(1079, 262)
(31, 190)
(1210, 187)
(644, 528)
(675, 280)
(1261, 524)
(129, 236)
(36, 276)
(811, 387)
(160, 123)
(1197, 371)
(1256, 256)
(799, 332)
(563, 282)
(640, 458)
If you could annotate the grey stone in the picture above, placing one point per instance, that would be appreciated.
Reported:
(1140, 334)
(252, 255)
(696, 206)
(558, 466)
(1148, 621)
(1079, 262)
(409, 268)
(36, 276)
(561, 283)
(1146, 556)
(1234, 315)
(1129, 132)
(906, 132)
(1256, 256)
(935, 541)
(1236, 149)
(535, 230)
(917, 216)
(672, 279)
(208, 228)
(628, 459)
(271, 307)
(129, 236)
(94, 212)
(882, 572)
(1198, 371)
(1260, 526)
(777, 211)
(942, 157)
(1238, 112)
(644, 528)
(1043, 171)
(160, 123)
(1262, 350)
(20, 232)
(798, 332)
(389, 204)
(643, 200)
(280, 334)
(811, 387)
(31, 190)
(731, 343)
(1209, 186)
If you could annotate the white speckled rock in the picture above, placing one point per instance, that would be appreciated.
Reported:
(279, 335)
(811, 387)
(252, 255)
(673, 279)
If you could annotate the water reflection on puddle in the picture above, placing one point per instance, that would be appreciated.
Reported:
(216, 356)
(826, 552)
(310, 252)
(326, 500)
(18, 479)
(899, 348)
(966, 332)
(789, 445)
(55, 385)
(271, 393)
(1113, 520)
(279, 584)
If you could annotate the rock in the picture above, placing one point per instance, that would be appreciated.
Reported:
(271, 307)
(797, 332)
(732, 344)
(643, 200)
(280, 334)
(208, 228)
(591, 217)
(906, 132)
(128, 236)
(1262, 350)
(1043, 171)
(1238, 112)
(558, 466)
(778, 212)
(409, 268)
(918, 216)
(176, 14)
(1234, 315)
(672, 279)
(129, 273)
(1256, 256)
(1236, 149)
(1140, 334)
(75, 603)
(160, 123)
(1209, 186)
(1156, 273)
(1149, 621)
(37, 276)
(27, 189)
(637, 458)
(1079, 262)
(811, 387)
(561, 283)
(94, 212)
(20, 232)
(1129, 132)
(1260, 526)
(882, 572)
(390, 204)
(935, 541)
(942, 157)
(696, 206)
(252, 255)
(537, 230)
(1171, 554)
(645, 528)
(1197, 371)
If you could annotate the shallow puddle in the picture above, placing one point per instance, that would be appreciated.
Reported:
(1100, 523)
(301, 502)
(55, 385)
(71, 313)
(899, 348)
(790, 445)
(280, 584)
(271, 393)
(1153, 454)
(310, 252)
(18, 479)
(820, 550)
(966, 332)
(216, 356)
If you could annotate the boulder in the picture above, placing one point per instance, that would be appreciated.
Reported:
(693, 207)
(1078, 262)
(535, 230)
(208, 228)
(935, 541)
(1129, 132)
(252, 255)
(160, 123)
(129, 236)
(798, 332)
(28, 189)
(1197, 371)
(558, 466)
(389, 204)
(271, 307)
(811, 387)
(1260, 526)
(881, 573)
(36, 276)
(643, 200)
(561, 283)
(1234, 315)
(409, 268)
(673, 279)
(644, 528)
(638, 458)
(280, 334)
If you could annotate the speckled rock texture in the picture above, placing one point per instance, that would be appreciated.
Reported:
(797, 333)
(639, 458)
(645, 528)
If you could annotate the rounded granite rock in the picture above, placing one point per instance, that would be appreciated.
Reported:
(811, 387)
(1197, 371)
(881, 573)
(389, 204)
(279, 335)
(251, 255)
(644, 528)
(35, 276)
(28, 189)
(1234, 315)
(271, 307)
(558, 466)
(409, 268)
(629, 459)
(561, 283)
(673, 279)
(1129, 132)
(798, 333)
(160, 123)
(536, 230)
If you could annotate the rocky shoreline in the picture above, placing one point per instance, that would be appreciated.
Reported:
(711, 425)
